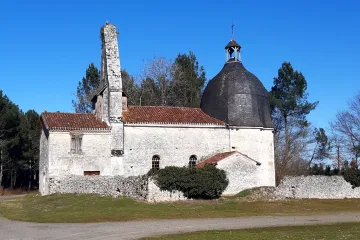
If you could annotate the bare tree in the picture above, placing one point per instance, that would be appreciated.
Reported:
(347, 126)
(158, 72)
(298, 143)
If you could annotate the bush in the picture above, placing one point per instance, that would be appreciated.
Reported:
(352, 176)
(197, 183)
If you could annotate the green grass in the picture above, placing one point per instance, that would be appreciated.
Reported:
(243, 193)
(92, 208)
(349, 231)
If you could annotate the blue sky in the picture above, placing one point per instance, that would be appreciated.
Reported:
(45, 47)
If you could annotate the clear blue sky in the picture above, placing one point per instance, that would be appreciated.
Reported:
(45, 47)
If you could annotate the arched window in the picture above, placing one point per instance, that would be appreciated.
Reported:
(156, 162)
(192, 161)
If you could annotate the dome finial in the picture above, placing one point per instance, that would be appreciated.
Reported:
(232, 31)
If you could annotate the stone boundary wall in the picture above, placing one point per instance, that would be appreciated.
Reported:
(322, 187)
(136, 187)
(157, 195)
(133, 187)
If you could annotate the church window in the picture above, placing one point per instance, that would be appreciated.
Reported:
(156, 162)
(76, 142)
(192, 161)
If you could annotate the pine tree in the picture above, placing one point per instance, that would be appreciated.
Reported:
(188, 82)
(85, 89)
(10, 149)
(289, 107)
(130, 87)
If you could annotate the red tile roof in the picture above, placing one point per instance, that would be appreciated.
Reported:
(215, 159)
(167, 115)
(72, 121)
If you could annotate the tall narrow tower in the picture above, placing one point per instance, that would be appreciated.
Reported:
(111, 75)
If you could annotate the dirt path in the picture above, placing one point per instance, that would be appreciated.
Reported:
(9, 197)
(137, 229)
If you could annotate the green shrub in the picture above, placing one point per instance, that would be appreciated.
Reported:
(352, 176)
(197, 183)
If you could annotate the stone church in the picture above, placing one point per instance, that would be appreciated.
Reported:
(232, 129)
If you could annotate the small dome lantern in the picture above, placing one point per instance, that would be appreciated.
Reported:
(232, 49)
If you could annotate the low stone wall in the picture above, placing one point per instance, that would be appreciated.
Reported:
(133, 187)
(136, 187)
(157, 195)
(323, 187)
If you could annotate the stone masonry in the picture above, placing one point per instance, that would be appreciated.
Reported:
(322, 187)
(136, 187)
(157, 195)
(112, 76)
(133, 187)
(119, 144)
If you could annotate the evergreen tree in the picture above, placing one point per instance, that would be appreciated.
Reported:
(289, 105)
(150, 94)
(188, 81)
(131, 89)
(30, 141)
(19, 145)
(85, 89)
(10, 149)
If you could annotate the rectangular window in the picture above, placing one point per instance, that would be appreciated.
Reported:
(91, 173)
(76, 142)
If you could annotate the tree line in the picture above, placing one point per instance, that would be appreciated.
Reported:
(299, 146)
(19, 145)
(161, 82)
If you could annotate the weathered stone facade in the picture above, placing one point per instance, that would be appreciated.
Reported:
(322, 187)
(44, 163)
(124, 149)
(173, 144)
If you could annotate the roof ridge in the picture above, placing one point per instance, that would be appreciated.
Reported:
(69, 113)
(131, 106)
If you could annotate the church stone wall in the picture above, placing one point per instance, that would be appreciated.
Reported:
(174, 145)
(95, 155)
(44, 164)
(258, 144)
(241, 173)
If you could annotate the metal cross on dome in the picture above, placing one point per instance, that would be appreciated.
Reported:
(232, 31)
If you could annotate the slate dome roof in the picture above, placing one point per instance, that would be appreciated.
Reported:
(237, 97)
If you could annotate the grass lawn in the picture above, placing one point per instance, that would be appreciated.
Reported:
(92, 208)
(349, 231)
